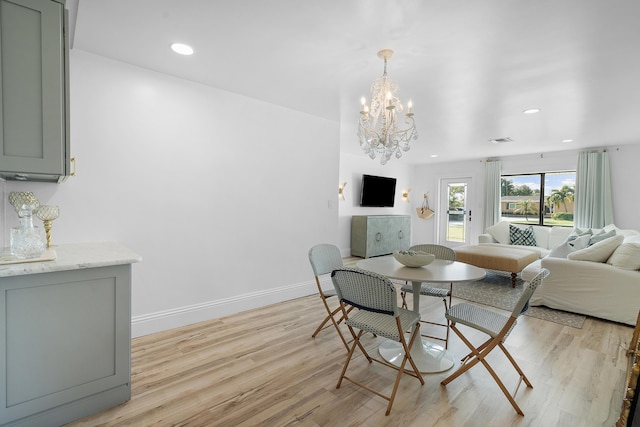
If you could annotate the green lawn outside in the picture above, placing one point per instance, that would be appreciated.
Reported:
(455, 233)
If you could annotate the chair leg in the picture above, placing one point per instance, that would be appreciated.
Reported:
(515, 365)
(404, 300)
(446, 340)
(356, 342)
(446, 325)
(407, 357)
(478, 355)
(331, 316)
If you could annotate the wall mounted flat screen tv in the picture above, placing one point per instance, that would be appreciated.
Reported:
(377, 191)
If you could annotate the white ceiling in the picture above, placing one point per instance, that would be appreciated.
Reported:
(470, 67)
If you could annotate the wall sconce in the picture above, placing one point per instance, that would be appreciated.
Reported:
(341, 190)
(405, 194)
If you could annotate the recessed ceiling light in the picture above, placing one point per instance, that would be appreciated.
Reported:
(531, 111)
(567, 140)
(433, 156)
(182, 49)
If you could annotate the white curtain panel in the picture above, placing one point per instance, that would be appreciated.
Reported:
(492, 171)
(593, 206)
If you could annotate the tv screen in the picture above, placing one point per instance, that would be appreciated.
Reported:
(377, 191)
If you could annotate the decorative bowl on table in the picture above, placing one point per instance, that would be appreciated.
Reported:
(414, 258)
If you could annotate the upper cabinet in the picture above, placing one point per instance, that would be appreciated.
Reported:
(34, 95)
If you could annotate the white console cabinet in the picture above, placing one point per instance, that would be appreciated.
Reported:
(373, 235)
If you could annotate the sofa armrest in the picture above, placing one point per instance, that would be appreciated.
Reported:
(592, 288)
(571, 270)
(486, 238)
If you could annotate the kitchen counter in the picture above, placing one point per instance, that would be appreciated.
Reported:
(74, 256)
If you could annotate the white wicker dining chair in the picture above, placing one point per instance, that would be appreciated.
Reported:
(375, 297)
(440, 252)
(498, 327)
(325, 258)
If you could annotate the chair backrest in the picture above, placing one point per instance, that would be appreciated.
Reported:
(523, 303)
(324, 258)
(365, 290)
(441, 252)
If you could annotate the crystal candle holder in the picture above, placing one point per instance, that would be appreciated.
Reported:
(47, 213)
(22, 198)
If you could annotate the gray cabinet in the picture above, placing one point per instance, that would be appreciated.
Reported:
(34, 138)
(373, 235)
(65, 344)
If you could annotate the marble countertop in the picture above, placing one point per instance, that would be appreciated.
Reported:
(74, 256)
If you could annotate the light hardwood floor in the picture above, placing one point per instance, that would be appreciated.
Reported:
(263, 368)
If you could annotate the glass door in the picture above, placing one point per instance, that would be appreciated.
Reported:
(454, 218)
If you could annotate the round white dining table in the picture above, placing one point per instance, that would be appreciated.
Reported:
(428, 356)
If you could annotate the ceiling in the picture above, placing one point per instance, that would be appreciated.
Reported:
(470, 67)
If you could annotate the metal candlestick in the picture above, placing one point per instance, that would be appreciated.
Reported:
(47, 213)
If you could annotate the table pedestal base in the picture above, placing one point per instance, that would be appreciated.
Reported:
(428, 357)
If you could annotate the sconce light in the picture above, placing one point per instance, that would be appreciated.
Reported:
(341, 190)
(405, 194)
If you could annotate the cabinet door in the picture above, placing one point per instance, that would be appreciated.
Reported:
(33, 116)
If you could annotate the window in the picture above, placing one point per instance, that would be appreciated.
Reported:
(539, 198)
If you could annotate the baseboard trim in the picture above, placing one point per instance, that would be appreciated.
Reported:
(181, 316)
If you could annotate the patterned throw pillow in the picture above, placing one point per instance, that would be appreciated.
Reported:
(522, 236)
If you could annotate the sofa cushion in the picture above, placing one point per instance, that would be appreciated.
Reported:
(577, 232)
(542, 236)
(581, 242)
(500, 232)
(600, 236)
(557, 235)
(599, 252)
(521, 236)
(562, 250)
(626, 256)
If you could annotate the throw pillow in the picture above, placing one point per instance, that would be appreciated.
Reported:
(500, 232)
(599, 252)
(602, 235)
(522, 236)
(562, 250)
(581, 242)
(578, 232)
(626, 256)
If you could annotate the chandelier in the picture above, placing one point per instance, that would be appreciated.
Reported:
(378, 129)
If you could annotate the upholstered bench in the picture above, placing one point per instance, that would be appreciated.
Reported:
(511, 259)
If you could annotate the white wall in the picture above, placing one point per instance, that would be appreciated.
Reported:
(222, 195)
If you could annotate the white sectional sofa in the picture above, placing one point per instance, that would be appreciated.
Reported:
(546, 237)
(601, 280)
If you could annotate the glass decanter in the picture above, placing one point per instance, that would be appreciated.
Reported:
(26, 241)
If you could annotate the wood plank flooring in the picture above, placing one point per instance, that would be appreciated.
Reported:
(262, 368)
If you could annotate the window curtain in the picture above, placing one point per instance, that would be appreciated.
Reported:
(492, 171)
(593, 206)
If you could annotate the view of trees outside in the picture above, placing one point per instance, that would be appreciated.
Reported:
(522, 201)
